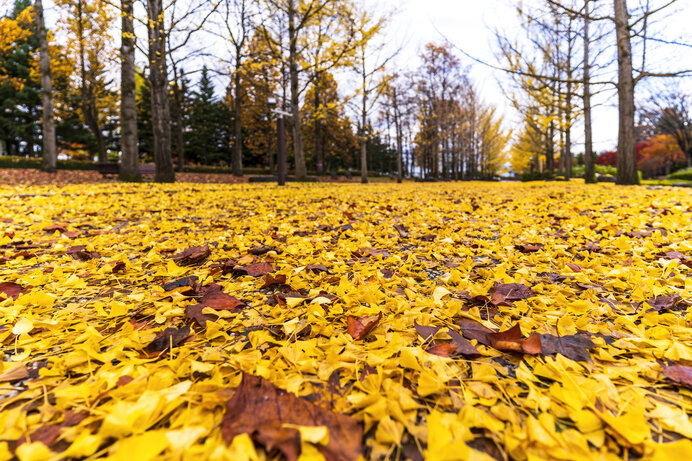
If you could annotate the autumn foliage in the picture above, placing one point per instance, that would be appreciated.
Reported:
(456, 321)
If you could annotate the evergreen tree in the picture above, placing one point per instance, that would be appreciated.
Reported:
(20, 90)
(145, 131)
(208, 137)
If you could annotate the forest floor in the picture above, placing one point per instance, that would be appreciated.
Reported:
(32, 177)
(440, 321)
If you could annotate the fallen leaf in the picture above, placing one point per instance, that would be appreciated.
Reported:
(12, 290)
(168, 338)
(426, 332)
(529, 248)
(661, 303)
(508, 292)
(263, 411)
(271, 280)
(474, 330)
(192, 256)
(512, 341)
(253, 270)
(16, 373)
(575, 347)
(681, 374)
(358, 328)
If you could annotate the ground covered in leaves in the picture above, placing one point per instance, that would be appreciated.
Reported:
(440, 321)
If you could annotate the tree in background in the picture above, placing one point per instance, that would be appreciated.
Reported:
(20, 86)
(208, 137)
(129, 161)
(158, 79)
(335, 137)
(50, 151)
(260, 79)
(90, 50)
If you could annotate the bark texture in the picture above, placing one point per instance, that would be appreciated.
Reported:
(158, 77)
(129, 162)
(626, 155)
(50, 153)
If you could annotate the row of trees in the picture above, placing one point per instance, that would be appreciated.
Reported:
(428, 121)
(565, 62)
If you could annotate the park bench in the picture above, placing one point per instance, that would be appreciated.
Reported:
(113, 169)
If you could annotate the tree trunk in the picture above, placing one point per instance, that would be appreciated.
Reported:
(626, 154)
(589, 171)
(363, 122)
(179, 136)
(299, 155)
(399, 151)
(237, 125)
(50, 152)
(319, 148)
(89, 111)
(158, 76)
(129, 162)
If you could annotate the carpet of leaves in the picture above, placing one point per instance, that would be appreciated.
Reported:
(440, 321)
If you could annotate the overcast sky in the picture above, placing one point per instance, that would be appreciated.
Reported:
(471, 25)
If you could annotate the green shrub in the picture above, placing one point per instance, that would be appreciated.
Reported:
(681, 175)
(7, 161)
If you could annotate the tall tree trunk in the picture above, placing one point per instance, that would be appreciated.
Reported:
(319, 147)
(299, 155)
(626, 154)
(237, 124)
(89, 111)
(363, 123)
(589, 170)
(129, 162)
(50, 152)
(178, 123)
(158, 76)
(399, 151)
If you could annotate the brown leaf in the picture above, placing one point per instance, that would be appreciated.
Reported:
(402, 230)
(532, 345)
(443, 349)
(253, 270)
(661, 303)
(680, 374)
(574, 267)
(195, 313)
(190, 281)
(80, 253)
(512, 341)
(55, 227)
(358, 328)
(11, 290)
(192, 256)
(260, 250)
(170, 337)
(316, 268)
(464, 346)
(504, 293)
(575, 347)
(261, 410)
(426, 332)
(118, 267)
(529, 248)
(217, 299)
(270, 280)
(508, 340)
(474, 330)
(16, 373)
